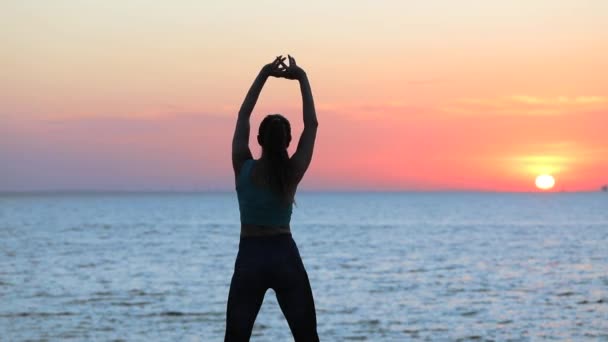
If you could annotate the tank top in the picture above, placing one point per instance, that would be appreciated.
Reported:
(259, 205)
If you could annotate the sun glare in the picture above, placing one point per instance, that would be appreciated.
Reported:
(545, 182)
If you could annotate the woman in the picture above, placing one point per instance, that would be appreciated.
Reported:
(268, 256)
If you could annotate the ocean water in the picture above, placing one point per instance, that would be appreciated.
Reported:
(383, 266)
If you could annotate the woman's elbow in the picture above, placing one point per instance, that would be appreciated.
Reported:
(311, 123)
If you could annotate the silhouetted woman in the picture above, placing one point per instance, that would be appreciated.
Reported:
(268, 256)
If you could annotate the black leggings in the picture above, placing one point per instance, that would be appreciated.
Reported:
(274, 262)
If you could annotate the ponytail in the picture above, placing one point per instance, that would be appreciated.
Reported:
(275, 136)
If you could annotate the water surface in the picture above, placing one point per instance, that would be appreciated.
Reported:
(383, 266)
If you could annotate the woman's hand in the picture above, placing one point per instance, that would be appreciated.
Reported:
(274, 68)
(293, 71)
(278, 68)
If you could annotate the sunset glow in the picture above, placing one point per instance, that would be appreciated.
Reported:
(438, 95)
(545, 182)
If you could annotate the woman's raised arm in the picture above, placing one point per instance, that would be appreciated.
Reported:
(240, 140)
(302, 157)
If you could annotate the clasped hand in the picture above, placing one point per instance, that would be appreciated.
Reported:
(278, 68)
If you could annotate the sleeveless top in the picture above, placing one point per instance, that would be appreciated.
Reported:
(259, 205)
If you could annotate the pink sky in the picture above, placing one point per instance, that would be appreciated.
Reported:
(434, 95)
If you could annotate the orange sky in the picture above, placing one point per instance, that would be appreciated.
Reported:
(434, 95)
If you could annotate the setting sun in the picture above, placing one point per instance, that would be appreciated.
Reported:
(545, 182)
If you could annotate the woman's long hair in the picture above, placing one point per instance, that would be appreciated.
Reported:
(275, 135)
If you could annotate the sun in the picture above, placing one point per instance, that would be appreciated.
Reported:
(545, 182)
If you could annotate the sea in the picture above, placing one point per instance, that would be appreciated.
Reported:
(383, 266)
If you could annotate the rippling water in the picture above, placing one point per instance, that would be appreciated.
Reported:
(383, 266)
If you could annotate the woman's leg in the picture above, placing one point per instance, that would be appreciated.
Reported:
(247, 290)
(295, 298)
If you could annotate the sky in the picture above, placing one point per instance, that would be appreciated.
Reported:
(410, 95)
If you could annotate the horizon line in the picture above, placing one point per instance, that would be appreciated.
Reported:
(221, 191)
